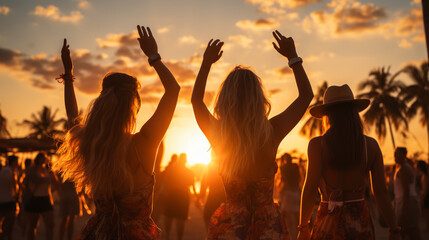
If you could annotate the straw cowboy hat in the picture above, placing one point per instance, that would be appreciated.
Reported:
(338, 94)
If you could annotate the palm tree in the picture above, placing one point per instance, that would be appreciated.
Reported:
(385, 105)
(4, 133)
(417, 94)
(314, 126)
(43, 124)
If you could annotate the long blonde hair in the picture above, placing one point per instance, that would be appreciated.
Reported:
(242, 110)
(94, 153)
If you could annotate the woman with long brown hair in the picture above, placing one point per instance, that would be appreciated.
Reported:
(339, 165)
(106, 159)
(245, 143)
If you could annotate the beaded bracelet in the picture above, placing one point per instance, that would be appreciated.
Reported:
(65, 77)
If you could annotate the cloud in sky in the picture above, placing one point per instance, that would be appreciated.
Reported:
(163, 30)
(257, 25)
(346, 17)
(4, 10)
(89, 70)
(188, 39)
(241, 40)
(277, 7)
(83, 4)
(52, 12)
(410, 25)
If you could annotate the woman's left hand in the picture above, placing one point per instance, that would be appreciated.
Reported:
(147, 41)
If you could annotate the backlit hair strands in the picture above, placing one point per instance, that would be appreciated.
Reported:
(241, 108)
(93, 153)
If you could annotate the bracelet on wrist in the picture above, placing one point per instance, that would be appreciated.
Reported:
(65, 77)
(153, 58)
(294, 61)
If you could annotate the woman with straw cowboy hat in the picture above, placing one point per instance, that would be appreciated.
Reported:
(339, 163)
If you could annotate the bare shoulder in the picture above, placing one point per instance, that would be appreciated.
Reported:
(373, 151)
(315, 142)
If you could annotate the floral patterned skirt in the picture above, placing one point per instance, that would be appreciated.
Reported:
(348, 220)
(101, 228)
(233, 222)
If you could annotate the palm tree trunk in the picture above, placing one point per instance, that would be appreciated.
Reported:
(425, 8)
(391, 132)
(427, 128)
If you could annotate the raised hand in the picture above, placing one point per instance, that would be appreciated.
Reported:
(213, 53)
(286, 45)
(147, 41)
(65, 57)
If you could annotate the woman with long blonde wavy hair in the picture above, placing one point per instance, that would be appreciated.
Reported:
(245, 143)
(106, 159)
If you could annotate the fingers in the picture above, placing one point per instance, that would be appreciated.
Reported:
(276, 37)
(210, 42)
(144, 31)
(220, 55)
(220, 45)
(275, 46)
(140, 31)
(65, 42)
(215, 42)
(150, 32)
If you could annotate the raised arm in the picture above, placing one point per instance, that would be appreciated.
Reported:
(155, 128)
(202, 114)
(309, 191)
(379, 189)
(286, 121)
(69, 95)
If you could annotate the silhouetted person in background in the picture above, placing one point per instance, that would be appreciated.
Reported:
(39, 181)
(422, 170)
(69, 209)
(8, 196)
(245, 143)
(25, 193)
(407, 206)
(290, 193)
(104, 156)
(178, 181)
(339, 165)
(213, 182)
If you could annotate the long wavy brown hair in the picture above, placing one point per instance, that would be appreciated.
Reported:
(94, 153)
(344, 126)
(241, 108)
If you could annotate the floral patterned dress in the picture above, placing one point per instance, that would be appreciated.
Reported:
(337, 219)
(249, 212)
(127, 218)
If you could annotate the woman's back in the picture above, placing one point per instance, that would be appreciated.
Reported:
(346, 184)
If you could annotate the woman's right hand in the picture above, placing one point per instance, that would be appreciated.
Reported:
(65, 57)
(147, 41)
(286, 45)
(213, 53)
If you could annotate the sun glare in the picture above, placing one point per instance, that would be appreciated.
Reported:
(192, 142)
(198, 152)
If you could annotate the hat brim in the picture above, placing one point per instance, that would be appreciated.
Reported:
(320, 110)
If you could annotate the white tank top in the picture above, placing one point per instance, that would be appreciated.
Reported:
(399, 189)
